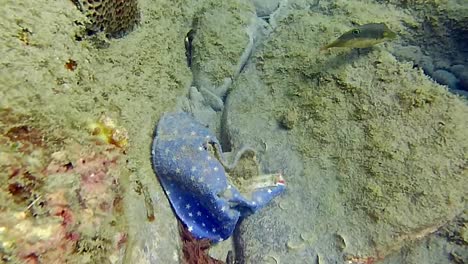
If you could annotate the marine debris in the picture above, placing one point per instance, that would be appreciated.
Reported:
(190, 165)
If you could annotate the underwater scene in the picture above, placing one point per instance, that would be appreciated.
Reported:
(234, 131)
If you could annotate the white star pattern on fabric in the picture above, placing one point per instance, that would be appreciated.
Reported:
(189, 163)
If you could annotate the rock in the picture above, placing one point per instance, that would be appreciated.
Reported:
(445, 78)
(346, 161)
(458, 69)
(426, 64)
(265, 8)
(408, 53)
(463, 84)
(222, 43)
(289, 119)
(275, 153)
(212, 100)
(442, 64)
(199, 105)
(460, 92)
(415, 55)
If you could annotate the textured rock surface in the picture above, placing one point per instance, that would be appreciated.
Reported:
(354, 180)
(445, 78)
(265, 8)
(366, 159)
(437, 40)
(59, 85)
(222, 42)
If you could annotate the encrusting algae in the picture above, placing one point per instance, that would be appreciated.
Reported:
(363, 36)
(106, 131)
(59, 204)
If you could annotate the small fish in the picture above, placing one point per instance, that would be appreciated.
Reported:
(363, 36)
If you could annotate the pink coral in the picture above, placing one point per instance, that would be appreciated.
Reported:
(80, 203)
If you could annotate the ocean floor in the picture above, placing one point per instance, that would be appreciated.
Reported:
(372, 142)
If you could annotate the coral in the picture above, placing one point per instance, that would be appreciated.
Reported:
(115, 17)
(57, 207)
(90, 202)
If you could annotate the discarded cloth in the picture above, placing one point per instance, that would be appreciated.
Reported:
(188, 160)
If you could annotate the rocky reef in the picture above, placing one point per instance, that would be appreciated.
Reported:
(59, 206)
(371, 142)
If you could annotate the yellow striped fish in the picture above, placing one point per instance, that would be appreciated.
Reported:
(363, 36)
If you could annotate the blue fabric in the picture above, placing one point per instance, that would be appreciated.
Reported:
(185, 159)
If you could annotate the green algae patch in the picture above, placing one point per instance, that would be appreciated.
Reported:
(220, 37)
(395, 140)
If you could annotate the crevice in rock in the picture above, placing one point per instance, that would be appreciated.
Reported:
(439, 46)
